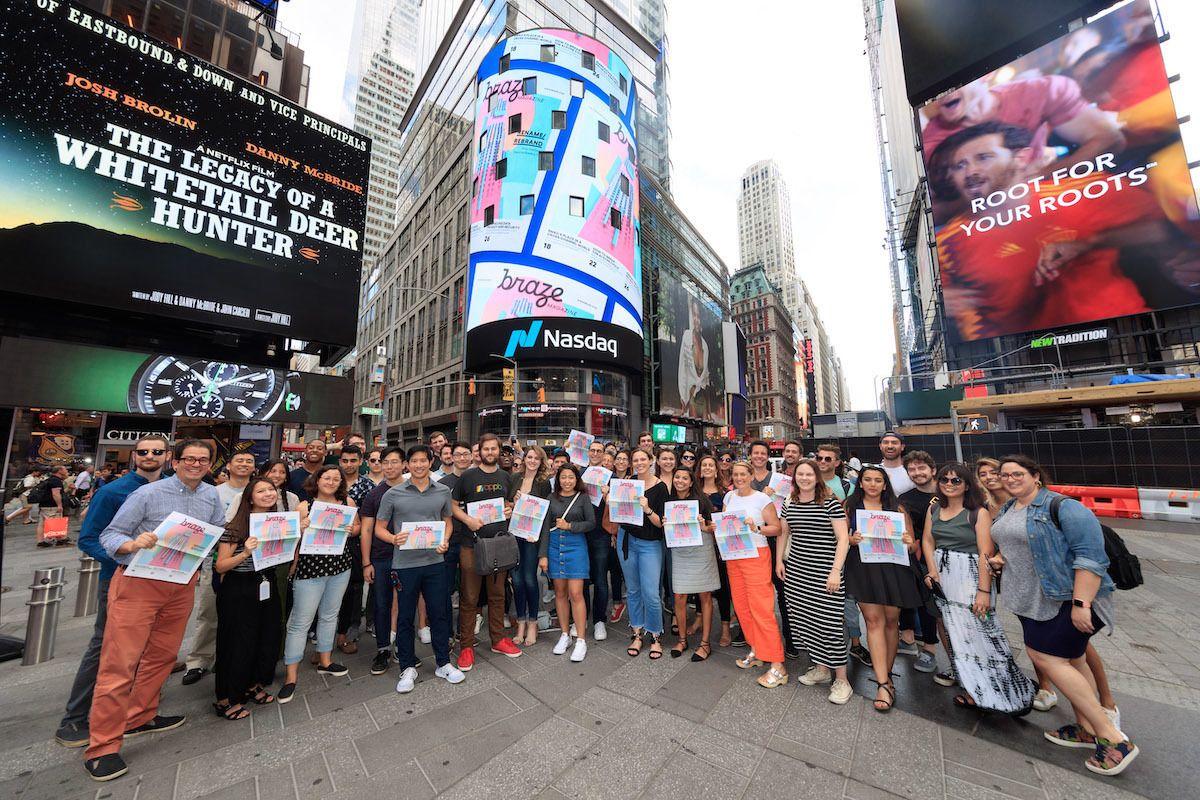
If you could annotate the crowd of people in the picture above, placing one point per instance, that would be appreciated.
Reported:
(812, 582)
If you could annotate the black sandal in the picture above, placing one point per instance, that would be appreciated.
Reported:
(706, 647)
(261, 696)
(235, 712)
(890, 688)
(655, 641)
(635, 649)
(680, 648)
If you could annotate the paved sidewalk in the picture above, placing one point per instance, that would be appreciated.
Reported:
(540, 726)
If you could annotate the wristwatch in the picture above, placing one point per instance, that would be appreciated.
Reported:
(1075, 601)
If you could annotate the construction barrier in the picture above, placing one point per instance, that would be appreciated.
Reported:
(1105, 501)
(1172, 505)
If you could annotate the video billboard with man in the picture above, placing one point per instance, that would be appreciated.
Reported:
(1061, 192)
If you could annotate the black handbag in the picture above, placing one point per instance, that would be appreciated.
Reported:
(496, 554)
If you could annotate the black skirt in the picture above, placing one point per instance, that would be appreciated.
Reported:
(883, 584)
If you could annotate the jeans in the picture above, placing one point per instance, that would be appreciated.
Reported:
(853, 629)
(79, 704)
(381, 608)
(598, 547)
(430, 582)
(616, 577)
(525, 582)
(314, 597)
(643, 575)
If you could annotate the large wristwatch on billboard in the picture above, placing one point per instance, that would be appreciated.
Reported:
(198, 387)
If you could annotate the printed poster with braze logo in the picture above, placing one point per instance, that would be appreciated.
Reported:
(183, 544)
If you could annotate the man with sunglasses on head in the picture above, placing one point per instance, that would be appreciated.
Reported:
(150, 454)
(921, 469)
(146, 617)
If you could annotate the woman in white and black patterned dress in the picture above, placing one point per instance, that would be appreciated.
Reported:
(815, 540)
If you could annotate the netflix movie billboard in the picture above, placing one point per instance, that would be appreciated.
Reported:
(1061, 192)
(137, 177)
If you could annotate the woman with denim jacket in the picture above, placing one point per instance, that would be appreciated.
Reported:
(1056, 582)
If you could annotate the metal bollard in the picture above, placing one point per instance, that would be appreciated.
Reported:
(86, 601)
(45, 597)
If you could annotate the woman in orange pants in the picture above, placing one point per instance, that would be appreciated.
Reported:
(750, 579)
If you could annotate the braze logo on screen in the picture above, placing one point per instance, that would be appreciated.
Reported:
(558, 340)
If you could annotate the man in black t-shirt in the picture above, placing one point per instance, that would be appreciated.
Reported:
(485, 482)
(51, 495)
(376, 556)
(920, 467)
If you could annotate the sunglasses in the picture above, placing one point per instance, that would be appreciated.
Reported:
(150, 451)
(824, 459)
(688, 458)
(372, 460)
(726, 460)
(952, 480)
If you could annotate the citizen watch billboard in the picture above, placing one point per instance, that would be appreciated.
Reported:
(552, 341)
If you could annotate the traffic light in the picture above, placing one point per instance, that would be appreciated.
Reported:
(471, 386)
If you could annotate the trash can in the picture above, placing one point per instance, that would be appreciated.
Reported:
(46, 594)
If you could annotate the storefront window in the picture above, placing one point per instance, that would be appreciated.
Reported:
(49, 438)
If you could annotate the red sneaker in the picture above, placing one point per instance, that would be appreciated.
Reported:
(505, 647)
(466, 659)
(618, 611)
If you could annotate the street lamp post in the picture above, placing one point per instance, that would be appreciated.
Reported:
(512, 419)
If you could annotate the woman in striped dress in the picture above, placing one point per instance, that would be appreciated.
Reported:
(809, 560)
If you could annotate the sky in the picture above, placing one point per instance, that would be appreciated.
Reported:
(797, 91)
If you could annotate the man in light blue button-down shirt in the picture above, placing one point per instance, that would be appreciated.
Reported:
(146, 618)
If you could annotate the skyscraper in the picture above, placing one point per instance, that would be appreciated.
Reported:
(765, 238)
(413, 315)
(379, 86)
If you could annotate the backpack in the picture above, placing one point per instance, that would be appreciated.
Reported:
(1123, 566)
(40, 493)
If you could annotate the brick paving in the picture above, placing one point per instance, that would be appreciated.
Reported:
(540, 726)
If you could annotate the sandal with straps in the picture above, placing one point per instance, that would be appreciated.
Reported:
(234, 712)
(655, 641)
(772, 678)
(261, 696)
(680, 647)
(635, 648)
(890, 688)
(706, 647)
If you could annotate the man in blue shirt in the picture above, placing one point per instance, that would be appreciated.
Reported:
(146, 617)
(150, 454)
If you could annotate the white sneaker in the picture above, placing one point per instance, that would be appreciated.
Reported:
(451, 673)
(600, 632)
(580, 650)
(408, 681)
(564, 642)
(816, 674)
(1114, 716)
(478, 623)
(1045, 700)
(840, 693)
(424, 635)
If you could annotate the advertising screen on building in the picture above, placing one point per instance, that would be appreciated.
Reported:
(137, 177)
(42, 373)
(947, 42)
(1061, 192)
(554, 202)
(691, 356)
